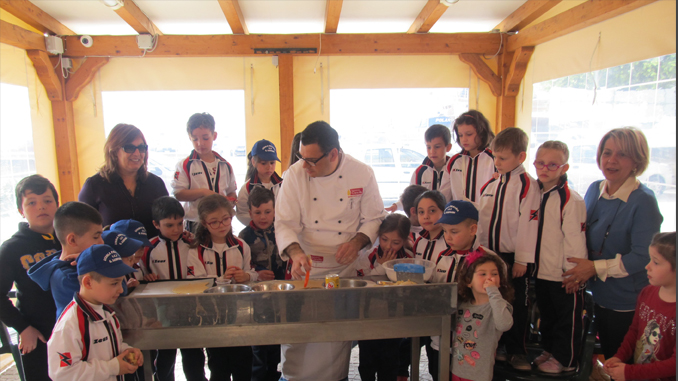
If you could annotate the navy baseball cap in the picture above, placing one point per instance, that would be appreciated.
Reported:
(124, 245)
(132, 229)
(104, 260)
(265, 150)
(457, 211)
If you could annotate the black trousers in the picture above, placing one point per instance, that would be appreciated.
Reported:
(192, 359)
(35, 363)
(612, 327)
(561, 323)
(265, 360)
(230, 361)
(379, 359)
(515, 338)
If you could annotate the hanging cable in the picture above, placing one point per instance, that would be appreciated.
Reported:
(320, 47)
(595, 85)
(501, 43)
(252, 88)
(322, 91)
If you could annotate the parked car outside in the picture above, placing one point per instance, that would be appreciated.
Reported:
(393, 167)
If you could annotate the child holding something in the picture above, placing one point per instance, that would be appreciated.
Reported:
(508, 225)
(484, 313)
(217, 252)
(78, 226)
(260, 173)
(650, 344)
(33, 316)
(87, 341)
(471, 168)
(204, 172)
(561, 235)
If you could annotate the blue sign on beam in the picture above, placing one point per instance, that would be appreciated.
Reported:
(444, 120)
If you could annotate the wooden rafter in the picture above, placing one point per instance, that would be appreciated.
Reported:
(506, 105)
(35, 17)
(136, 18)
(517, 70)
(332, 44)
(19, 37)
(483, 72)
(231, 9)
(525, 14)
(286, 96)
(576, 18)
(332, 13)
(49, 78)
(83, 76)
(428, 16)
(66, 150)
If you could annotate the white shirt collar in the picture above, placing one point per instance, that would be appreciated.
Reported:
(623, 192)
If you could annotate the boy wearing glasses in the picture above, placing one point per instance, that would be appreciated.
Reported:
(562, 235)
(204, 172)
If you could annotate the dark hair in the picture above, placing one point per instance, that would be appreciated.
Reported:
(322, 134)
(438, 131)
(434, 195)
(250, 167)
(480, 123)
(75, 217)
(260, 195)
(409, 195)
(296, 141)
(207, 205)
(465, 278)
(396, 223)
(166, 207)
(120, 135)
(665, 244)
(512, 138)
(36, 184)
(200, 119)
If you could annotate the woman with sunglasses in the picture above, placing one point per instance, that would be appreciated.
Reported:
(622, 216)
(124, 189)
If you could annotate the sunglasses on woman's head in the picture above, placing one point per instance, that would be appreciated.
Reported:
(130, 148)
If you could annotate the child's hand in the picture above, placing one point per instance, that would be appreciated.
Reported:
(237, 274)
(616, 371)
(519, 270)
(392, 208)
(132, 283)
(388, 255)
(150, 277)
(266, 275)
(610, 362)
(188, 236)
(489, 282)
(124, 366)
(29, 339)
(69, 257)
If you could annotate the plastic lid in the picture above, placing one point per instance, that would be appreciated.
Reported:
(408, 268)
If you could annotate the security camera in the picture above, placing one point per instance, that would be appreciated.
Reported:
(86, 41)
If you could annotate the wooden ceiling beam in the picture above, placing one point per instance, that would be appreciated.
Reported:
(526, 14)
(21, 38)
(227, 45)
(483, 72)
(428, 16)
(35, 17)
(517, 70)
(135, 17)
(332, 13)
(83, 76)
(574, 19)
(48, 77)
(231, 9)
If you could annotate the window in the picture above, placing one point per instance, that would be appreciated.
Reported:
(17, 159)
(385, 128)
(640, 94)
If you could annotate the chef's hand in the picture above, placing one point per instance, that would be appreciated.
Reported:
(237, 274)
(266, 275)
(300, 263)
(348, 251)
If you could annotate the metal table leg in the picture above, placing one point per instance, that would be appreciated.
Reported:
(148, 365)
(444, 353)
(414, 370)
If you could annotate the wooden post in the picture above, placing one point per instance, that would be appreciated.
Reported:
(286, 84)
(506, 104)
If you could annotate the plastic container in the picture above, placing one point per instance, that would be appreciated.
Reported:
(429, 267)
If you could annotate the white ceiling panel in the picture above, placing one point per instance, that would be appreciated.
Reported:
(185, 16)
(475, 15)
(378, 16)
(86, 16)
(284, 16)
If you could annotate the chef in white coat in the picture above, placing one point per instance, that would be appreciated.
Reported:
(329, 208)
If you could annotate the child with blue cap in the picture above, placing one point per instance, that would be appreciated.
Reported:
(87, 342)
(130, 251)
(260, 172)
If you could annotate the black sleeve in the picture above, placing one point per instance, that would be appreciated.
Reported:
(87, 194)
(9, 314)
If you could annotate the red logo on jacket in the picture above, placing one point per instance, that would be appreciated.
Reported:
(355, 192)
(583, 226)
(534, 215)
(65, 359)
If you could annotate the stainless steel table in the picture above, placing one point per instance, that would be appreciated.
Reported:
(286, 317)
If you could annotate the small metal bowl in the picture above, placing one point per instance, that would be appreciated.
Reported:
(273, 287)
(350, 283)
(224, 288)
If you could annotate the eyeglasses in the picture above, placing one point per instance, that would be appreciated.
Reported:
(130, 148)
(312, 162)
(551, 166)
(217, 224)
(656, 334)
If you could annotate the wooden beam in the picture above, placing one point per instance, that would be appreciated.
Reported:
(286, 86)
(48, 77)
(29, 13)
(517, 70)
(135, 17)
(227, 45)
(506, 104)
(21, 38)
(483, 71)
(428, 16)
(231, 9)
(576, 18)
(332, 13)
(66, 150)
(526, 14)
(83, 76)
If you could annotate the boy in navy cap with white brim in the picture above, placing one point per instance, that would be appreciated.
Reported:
(86, 342)
(129, 249)
(260, 173)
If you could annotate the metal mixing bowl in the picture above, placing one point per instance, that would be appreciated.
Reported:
(223, 288)
(273, 287)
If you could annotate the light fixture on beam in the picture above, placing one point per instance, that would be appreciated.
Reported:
(114, 4)
(448, 2)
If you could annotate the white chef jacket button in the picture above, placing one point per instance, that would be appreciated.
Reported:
(340, 177)
(315, 199)
(339, 233)
(341, 199)
(339, 221)
(316, 222)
